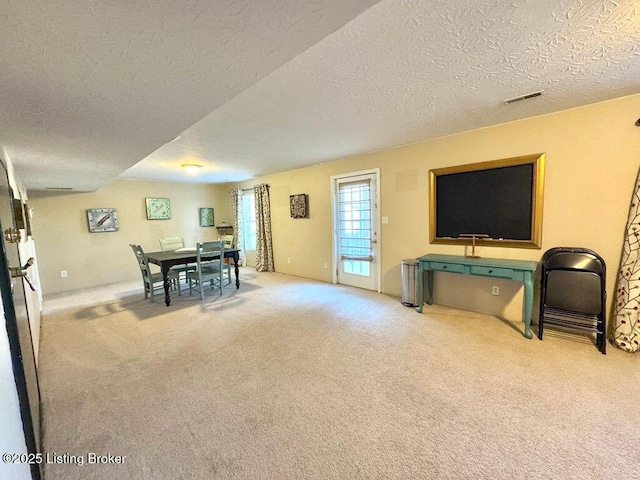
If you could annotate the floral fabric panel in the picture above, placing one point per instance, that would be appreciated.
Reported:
(626, 326)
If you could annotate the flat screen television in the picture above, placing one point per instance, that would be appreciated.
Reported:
(500, 202)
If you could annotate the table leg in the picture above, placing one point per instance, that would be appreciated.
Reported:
(528, 303)
(236, 261)
(420, 289)
(430, 286)
(167, 286)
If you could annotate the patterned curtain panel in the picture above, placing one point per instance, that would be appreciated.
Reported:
(264, 245)
(238, 222)
(626, 327)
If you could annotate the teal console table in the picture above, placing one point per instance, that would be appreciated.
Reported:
(520, 270)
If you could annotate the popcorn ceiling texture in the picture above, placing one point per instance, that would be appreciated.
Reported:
(89, 88)
(270, 87)
(406, 71)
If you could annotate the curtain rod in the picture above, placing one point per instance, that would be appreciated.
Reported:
(251, 188)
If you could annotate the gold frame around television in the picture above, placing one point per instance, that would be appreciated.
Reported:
(538, 162)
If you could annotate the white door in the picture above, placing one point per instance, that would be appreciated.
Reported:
(12, 289)
(355, 224)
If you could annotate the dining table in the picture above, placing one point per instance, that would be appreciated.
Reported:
(184, 256)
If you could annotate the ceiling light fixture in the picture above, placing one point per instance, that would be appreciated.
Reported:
(191, 168)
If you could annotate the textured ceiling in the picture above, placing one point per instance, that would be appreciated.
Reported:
(285, 87)
(88, 88)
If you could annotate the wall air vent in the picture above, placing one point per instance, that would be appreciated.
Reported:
(523, 97)
(59, 189)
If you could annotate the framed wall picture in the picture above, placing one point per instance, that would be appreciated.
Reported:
(206, 217)
(158, 209)
(298, 205)
(499, 202)
(102, 220)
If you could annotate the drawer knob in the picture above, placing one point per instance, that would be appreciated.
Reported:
(490, 271)
(444, 266)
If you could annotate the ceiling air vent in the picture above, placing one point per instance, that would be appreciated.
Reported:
(60, 189)
(523, 97)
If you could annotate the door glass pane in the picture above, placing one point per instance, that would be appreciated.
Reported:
(355, 226)
(356, 267)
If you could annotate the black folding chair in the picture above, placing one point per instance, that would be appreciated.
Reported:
(573, 291)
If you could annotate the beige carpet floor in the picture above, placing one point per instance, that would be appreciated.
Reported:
(289, 378)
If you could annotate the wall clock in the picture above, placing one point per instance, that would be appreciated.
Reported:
(158, 209)
(102, 220)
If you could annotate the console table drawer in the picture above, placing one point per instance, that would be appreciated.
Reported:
(446, 267)
(491, 271)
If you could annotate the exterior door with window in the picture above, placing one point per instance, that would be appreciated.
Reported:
(356, 239)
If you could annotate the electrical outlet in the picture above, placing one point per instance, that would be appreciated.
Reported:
(495, 290)
(325, 265)
(289, 260)
(63, 273)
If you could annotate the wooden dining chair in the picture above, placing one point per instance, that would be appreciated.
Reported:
(228, 243)
(207, 269)
(152, 281)
(171, 244)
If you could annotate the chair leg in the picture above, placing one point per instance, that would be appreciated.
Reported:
(540, 324)
(601, 339)
(602, 343)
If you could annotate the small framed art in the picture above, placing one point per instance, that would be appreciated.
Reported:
(158, 209)
(298, 205)
(206, 217)
(102, 220)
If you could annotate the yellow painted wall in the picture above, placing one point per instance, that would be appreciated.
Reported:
(592, 152)
(64, 243)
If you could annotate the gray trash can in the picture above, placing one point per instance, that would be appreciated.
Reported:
(409, 269)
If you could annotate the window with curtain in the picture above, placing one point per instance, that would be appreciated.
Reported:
(249, 220)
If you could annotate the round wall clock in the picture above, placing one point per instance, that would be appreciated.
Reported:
(102, 220)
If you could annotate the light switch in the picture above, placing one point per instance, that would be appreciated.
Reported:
(385, 220)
